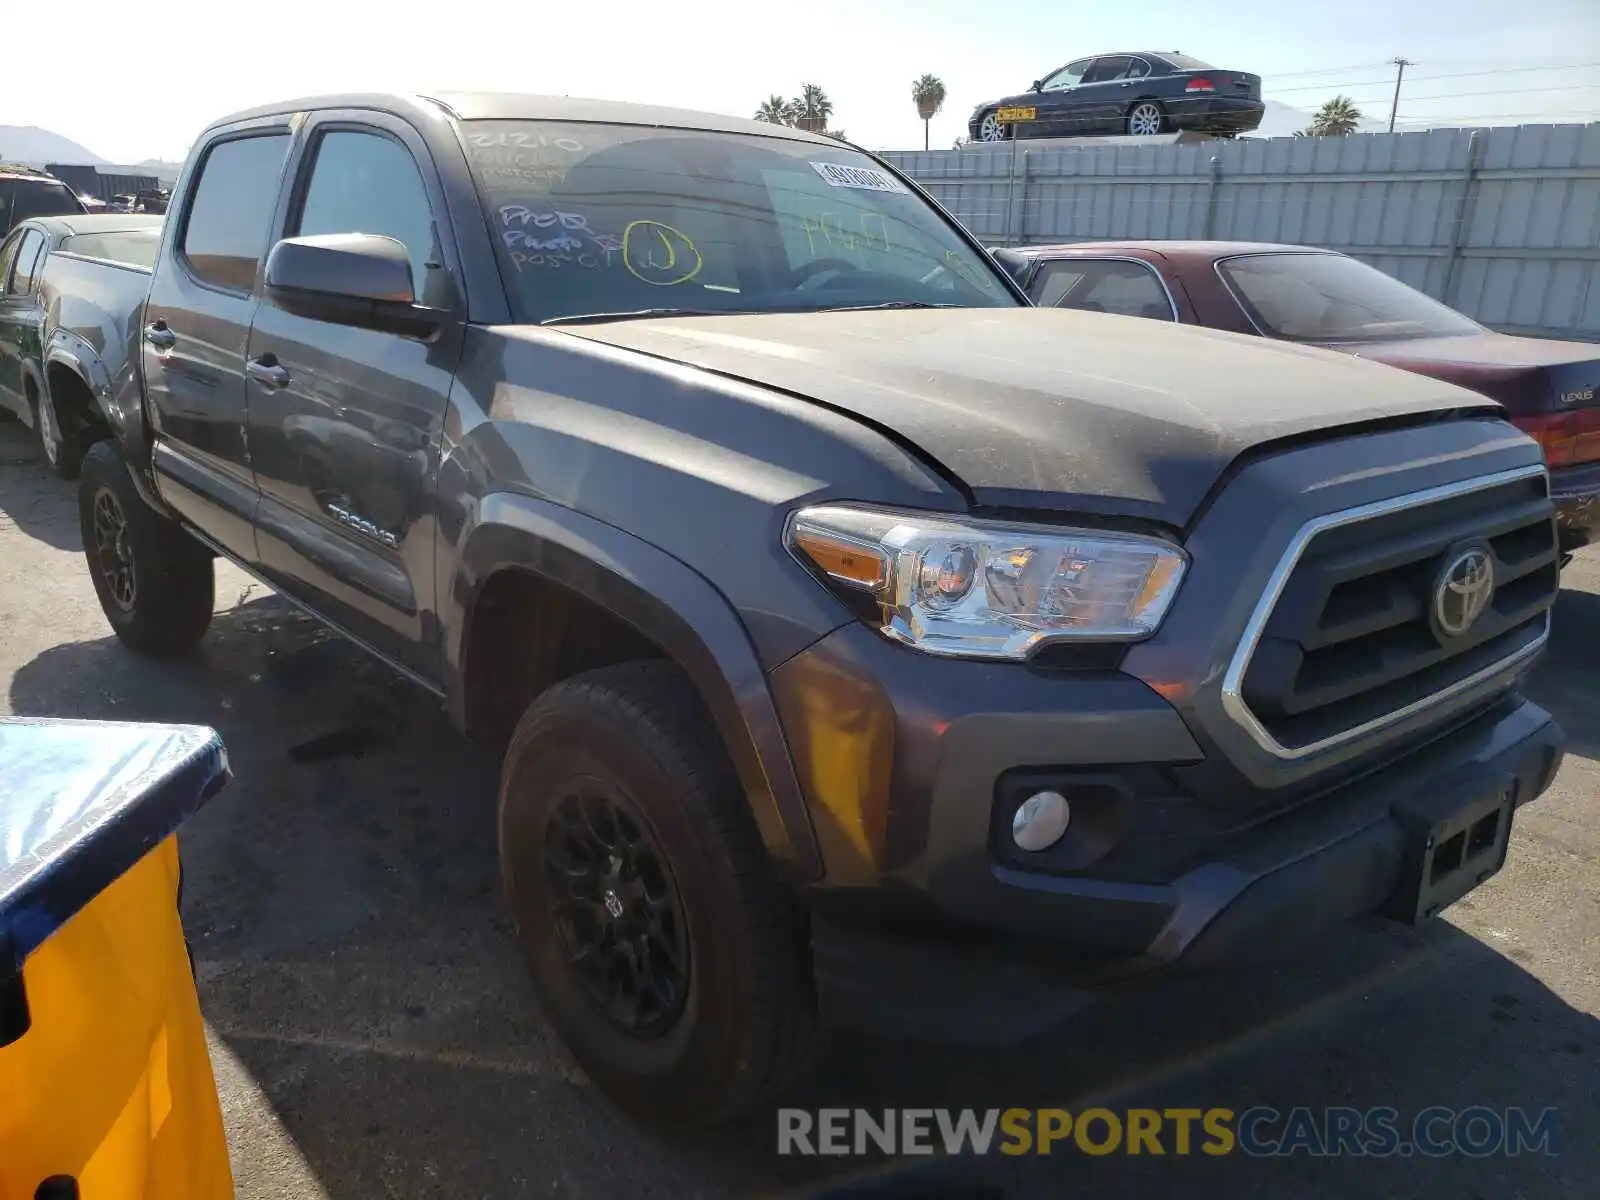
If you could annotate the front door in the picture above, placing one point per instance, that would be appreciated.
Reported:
(197, 324)
(345, 423)
(1058, 100)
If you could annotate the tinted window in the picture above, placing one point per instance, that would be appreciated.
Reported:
(1184, 63)
(1115, 66)
(30, 254)
(226, 231)
(8, 254)
(1125, 288)
(135, 247)
(619, 218)
(41, 198)
(1332, 298)
(368, 183)
(1069, 76)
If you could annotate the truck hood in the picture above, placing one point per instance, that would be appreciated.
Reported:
(1050, 408)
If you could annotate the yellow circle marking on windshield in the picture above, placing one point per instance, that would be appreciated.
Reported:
(641, 258)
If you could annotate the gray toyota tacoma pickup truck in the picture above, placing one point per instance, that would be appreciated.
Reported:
(863, 644)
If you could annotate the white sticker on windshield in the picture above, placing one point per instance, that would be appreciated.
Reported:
(866, 178)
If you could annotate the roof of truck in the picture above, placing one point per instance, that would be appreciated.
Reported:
(475, 106)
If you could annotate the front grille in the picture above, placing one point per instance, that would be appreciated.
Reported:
(1354, 639)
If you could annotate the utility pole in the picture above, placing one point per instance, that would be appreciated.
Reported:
(1401, 64)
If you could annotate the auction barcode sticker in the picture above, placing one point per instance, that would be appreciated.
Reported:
(866, 178)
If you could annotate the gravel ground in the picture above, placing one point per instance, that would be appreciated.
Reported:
(374, 1034)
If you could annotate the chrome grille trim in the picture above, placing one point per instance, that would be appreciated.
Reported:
(1233, 702)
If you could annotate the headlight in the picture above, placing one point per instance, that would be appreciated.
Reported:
(985, 589)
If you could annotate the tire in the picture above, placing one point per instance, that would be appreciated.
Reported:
(155, 582)
(63, 454)
(1145, 118)
(742, 1024)
(991, 130)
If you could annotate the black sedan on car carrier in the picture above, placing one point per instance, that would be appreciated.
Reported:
(1141, 93)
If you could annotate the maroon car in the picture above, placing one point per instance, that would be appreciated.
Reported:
(1550, 388)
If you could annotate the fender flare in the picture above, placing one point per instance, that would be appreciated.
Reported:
(124, 415)
(677, 609)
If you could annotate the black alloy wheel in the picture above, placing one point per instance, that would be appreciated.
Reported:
(616, 909)
(114, 554)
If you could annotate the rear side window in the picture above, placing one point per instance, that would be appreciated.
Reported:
(8, 255)
(1128, 289)
(226, 231)
(41, 198)
(30, 256)
(133, 247)
(369, 183)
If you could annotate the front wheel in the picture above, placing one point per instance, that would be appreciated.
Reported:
(991, 130)
(670, 959)
(1146, 118)
(155, 582)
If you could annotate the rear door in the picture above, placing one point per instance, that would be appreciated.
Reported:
(20, 263)
(197, 326)
(1101, 96)
(345, 422)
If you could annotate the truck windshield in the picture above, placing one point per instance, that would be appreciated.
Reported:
(597, 219)
(1332, 298)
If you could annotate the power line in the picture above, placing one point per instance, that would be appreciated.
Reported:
(1356, 83)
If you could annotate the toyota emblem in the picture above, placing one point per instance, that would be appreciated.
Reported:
(1463, 590)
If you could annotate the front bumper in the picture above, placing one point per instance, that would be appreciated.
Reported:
(926, 929)
(1224, 114)
(1576, 492)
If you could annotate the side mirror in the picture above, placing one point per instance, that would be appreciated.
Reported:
(1036, 85)
(358, 279)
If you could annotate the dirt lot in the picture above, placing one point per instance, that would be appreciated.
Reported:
(374, 1035)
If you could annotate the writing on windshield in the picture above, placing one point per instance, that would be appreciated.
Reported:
(613, 218)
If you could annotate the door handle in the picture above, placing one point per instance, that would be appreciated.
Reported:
(266, 371)
(159, 336)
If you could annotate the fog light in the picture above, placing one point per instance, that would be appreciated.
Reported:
(1040, 820)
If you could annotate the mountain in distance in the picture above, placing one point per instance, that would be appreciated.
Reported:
(30, 144)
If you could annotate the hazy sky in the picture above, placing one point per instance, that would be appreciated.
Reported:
(158, 73)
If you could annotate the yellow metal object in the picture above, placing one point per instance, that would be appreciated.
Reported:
(111, 1085)
(1008, 116)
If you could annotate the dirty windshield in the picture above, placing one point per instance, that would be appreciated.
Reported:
(597, 219)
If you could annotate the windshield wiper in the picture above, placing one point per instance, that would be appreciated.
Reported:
(641, 313)
(886, 305)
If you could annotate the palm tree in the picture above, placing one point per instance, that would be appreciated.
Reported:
(927, 94)
(815, 108)
(774, 109)
(1336, 118)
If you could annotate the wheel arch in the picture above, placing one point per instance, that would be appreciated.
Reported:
(661, 601)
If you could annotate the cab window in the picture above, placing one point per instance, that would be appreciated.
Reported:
(368, 183)
(225, 233)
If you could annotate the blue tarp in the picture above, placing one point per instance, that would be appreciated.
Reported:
(80, 803)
